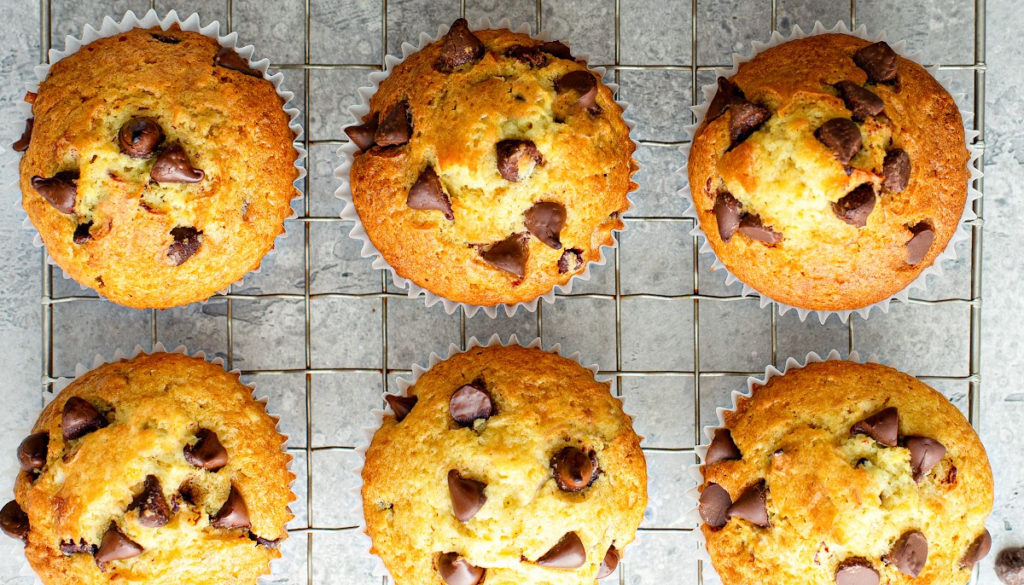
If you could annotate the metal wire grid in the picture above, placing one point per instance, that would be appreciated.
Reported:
(973, 379)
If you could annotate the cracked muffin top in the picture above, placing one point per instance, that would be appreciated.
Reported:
(829, 172)
(841, 473)
(158, 166)
(161, 469)
(503, 465)
(492, 167)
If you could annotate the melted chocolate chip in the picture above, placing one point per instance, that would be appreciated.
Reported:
(82, 233)
(428, 194)
(165, 39)
(173, 166)
(532, 56)
(752, 227)
(608, 564)
(861, 102)
(883, 426)
(115, 546)
(545, 221)
(459, 47)
(186, 243)
(896, 170)
(728, 211)
(456, 570)
(713, 505)
(14, 521)
(512, 154)
(728, 94)
(919, 243)
(925, 453)
(467, 496)
(878, 60)
(1010, 566)
(228, 58)
(855, 207)
(746, 118)
(79, 418)
(21, 145)
(751, 505)
(909, 553)
(509, 255)
(207, 452)
(396, 127)
(977, 550)
(153, 509)
(70, 547)
(362, 134)
(265, 542)
(722, 448)
(574, 469)
(568, 553)
(571, 260)
(842, 137)
(32, 451)
(401, 405)
(139, 137)
(557, 49)
(585, 84)
(234, 513)
(469, 403)
(856, 572)
(59, 190)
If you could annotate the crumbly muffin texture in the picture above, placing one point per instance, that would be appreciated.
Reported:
(829, 172)
(493, 167)
(158, 167)
(504, 465)
(846, 473)
(158, 469)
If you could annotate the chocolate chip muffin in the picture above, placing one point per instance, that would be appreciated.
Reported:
(829, 172)
(504, 465)
(158, 166)
(158, 469)
(492, 167)
(845, 473)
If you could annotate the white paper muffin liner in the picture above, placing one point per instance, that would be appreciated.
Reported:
(348, 151)
(404, 384)
(109, 28)
(960, 234)
(98, 360)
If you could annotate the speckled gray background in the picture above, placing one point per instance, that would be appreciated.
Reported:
(339, 379)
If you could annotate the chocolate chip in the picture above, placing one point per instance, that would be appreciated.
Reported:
(402, 405)
(728, 94)
(920, 242)
(467, 495)
(855, 207)
(139, 137)
(459, 47)
(509, 255)
(82, 233)
(227, 57)
(234, 513)
(165, 39)
(856, 572)
(21, 145)
(186, 243)
(861, 102)
(842, 137)
(173, 166)
(265, 542)
(557, 49)
(608, 564)
(469, 403)
(79, 418)
(545, 221)
(532, 56)
(59, 190)
(925, 453)
(571, 260)
(746, 118)
(909, 553)
(883, 426)
(574, 469)
(713, 505)
(207, 452)
(513, 155)
(428, 194)
(752, 227)
(727, 214)
(32, 451)
(896, 170)
(396, 128)
(456, 570)
(751, 505)
(722, 448)
(153, 509)
(362, 134)
(585, 84)
(14, 521)
(878, 60)
(568, 553)
(977, 550)
(70, 547)
(1010, 566)
(115, 546)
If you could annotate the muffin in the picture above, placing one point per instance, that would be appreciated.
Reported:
(158, 166)
(503, 465)
(829, 172)
(491, 167)
(845, 473)
(155, 470)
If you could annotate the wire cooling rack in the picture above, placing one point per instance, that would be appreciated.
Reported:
(303, 550)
